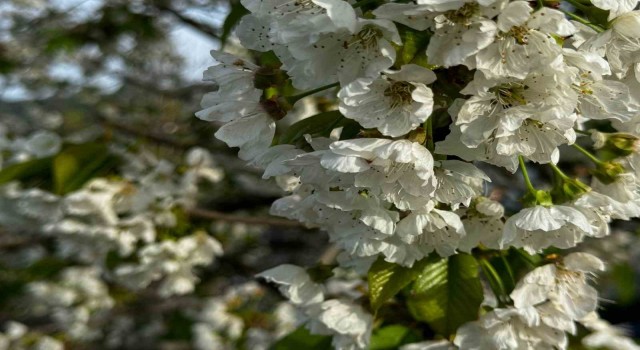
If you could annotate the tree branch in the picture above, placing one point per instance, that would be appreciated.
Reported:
(203, 28)
(181, 92)
(132, 131)
(268, 221)
(15, 242)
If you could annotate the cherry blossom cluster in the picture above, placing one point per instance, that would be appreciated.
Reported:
(425, 97)
(122, 216)
(104, 264)
(111, 231)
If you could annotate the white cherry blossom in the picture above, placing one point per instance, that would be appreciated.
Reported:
(400, 172)
(348, 323)
(605, 335)
(509, 329)
(462, 32)
(458, 182)
(344, 55)
(431, 229)
(295, 284)
(524, 42)
(394, 103)
(620, 44)
(173, 262)
(616, 7)
(599, 98)
(540, 227)
(247, 123)
(292, 21)
(529, 117)
(564, 283)
(483, 224)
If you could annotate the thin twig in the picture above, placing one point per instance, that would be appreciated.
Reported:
(525, 174)
(191, 22)
(267, 221)
(179, 93)
(15, 242)
(161, 139)
(329, 256)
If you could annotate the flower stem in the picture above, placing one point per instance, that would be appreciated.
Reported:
(495, 282)
(525, 174)
(578, 5)
(428, 127)
(588, 154)
(584, 21)
(295, 98)
(559, 172)
(582, 132)
(540, 4)
(508, 267)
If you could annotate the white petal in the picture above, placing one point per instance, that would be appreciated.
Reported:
(514, 14)
(583, 262)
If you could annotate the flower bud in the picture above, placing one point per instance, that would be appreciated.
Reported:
(418, 135)
(567, 190)
(615, 145)
(539, 197)
(598, 138)
(267, 77)
(607, 172)
(277, 109)
(623, 142)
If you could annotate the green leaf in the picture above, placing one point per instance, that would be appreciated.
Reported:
(77, 164)
(321, 272)
(98, 167)
(233, 18)
(65, 172)
(317, 125)
(597, 16)
(58, 40)
(624, 277)
(13, 280)
(350, 128)
(64, 166)
(26, 170)
(496, 282)
(302, 339)
(269, 59)
(507, 267)
(392, 337)
(447, 294)
(414, 46)
(178, 326)
(387, 279)
(182, 227)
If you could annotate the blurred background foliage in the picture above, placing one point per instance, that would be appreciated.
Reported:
(129, 72)
(100, 72)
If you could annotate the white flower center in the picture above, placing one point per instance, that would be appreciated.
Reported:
(399, 92)
(584, 88)
(366, 38)
(510, 94)
(394, 170)
(464, 14)
(299, 6)
(532, 122)
(521, 34)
